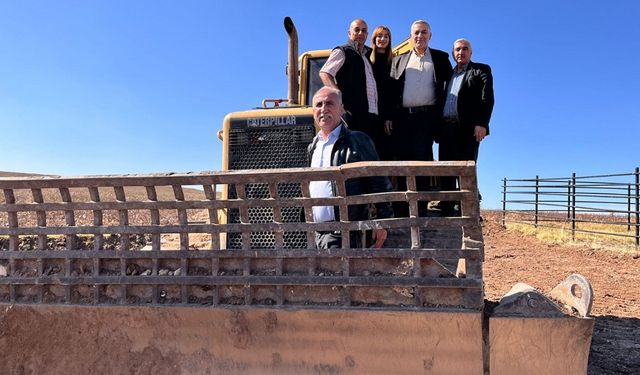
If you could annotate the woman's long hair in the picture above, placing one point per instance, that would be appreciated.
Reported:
(387, 52)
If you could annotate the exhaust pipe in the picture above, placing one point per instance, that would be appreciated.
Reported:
(292, 65)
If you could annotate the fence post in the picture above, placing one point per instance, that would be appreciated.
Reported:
(535, 221)
(637, 206)
(629, 208)
(504, 201)
(573, 206)
(568, 200)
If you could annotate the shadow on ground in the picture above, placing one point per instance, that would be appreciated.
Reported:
(615, 347)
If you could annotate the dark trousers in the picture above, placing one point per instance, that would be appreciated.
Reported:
(373, 126)
(414, 133)
(381, 140)
(413, 136)
(456, 143)
(333, 240)
(362, 121)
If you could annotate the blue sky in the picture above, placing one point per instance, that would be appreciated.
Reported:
(103, 87)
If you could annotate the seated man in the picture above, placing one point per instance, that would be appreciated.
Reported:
(335, 145)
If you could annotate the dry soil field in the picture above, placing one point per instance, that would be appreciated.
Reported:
(512, 257)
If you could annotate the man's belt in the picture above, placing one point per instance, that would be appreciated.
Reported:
(321, 232)
(419, 109)
(450, 121)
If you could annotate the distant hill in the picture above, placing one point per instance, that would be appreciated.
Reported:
(135, 193)
(19, 174)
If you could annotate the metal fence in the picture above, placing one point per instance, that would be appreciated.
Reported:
(607, 205)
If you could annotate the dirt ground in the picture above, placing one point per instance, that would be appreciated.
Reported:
(510, 257)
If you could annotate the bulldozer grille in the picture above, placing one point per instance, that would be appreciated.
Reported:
(269, 148)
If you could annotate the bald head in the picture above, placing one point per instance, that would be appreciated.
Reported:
(358, 31)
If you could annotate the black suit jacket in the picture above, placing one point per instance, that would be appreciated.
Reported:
(442, 68)
(353, 146)
(475, 98)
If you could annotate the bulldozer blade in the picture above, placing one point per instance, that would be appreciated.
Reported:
(534, 346)
(525, 301)
(575, 291)
(240, 340)
(532, 334)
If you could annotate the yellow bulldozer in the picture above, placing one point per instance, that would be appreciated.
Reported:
(277, 135)
(218, 273)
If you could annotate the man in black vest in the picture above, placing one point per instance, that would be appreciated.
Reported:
(349, 70)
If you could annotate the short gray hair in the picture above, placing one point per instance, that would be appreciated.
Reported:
(463, 40)
(422, 22)
(330, 89)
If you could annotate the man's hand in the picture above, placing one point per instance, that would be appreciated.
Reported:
(480, 132)
(388, 127)
(379, 236)
(328, 80)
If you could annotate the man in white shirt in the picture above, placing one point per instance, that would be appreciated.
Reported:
(421, 76)
(335, 145)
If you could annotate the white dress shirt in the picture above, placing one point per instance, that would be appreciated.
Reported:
(419, 86)
(321, 189)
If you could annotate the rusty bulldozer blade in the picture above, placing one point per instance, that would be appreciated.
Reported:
(523, 300)
(574, 291)
(531, 333)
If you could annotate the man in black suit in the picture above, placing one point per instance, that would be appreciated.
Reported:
(421, 77)
(467, 111)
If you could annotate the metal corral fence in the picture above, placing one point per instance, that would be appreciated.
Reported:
(606, 205)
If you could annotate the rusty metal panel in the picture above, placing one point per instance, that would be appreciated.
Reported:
(99, 241)
(345, 278)
(245, 341)
(533, 346)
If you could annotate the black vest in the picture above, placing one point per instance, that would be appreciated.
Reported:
(352, 81)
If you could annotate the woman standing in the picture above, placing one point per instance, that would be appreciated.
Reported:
(381, 56)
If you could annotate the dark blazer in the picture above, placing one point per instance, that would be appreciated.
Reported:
(442, 68)
(475, 98)
(351, 147)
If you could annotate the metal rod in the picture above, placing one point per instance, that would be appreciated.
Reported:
(637, 206)
(569, 200)
(573, 206)
(536, 197)
(629, 208)
(504, 201)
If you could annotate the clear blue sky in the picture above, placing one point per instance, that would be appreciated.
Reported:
(102, 87)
